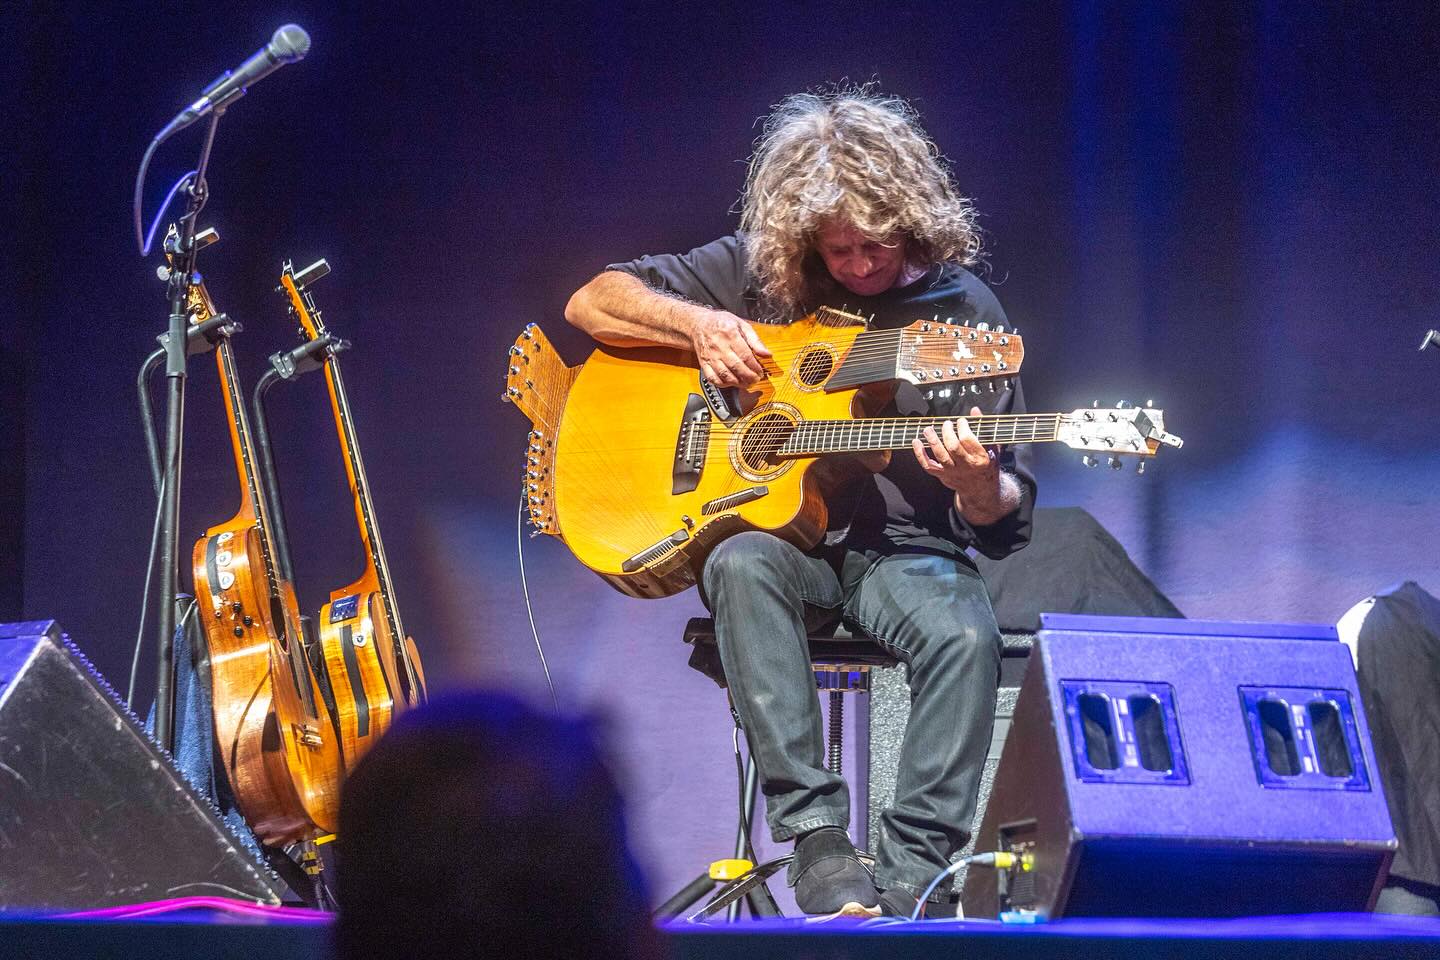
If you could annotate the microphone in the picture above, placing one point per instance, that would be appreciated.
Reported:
(290, 43)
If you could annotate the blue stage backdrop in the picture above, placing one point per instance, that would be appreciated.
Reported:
(1228, 209)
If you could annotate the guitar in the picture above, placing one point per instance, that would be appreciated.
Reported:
(373, 665)
(641, 466)
(274, 732)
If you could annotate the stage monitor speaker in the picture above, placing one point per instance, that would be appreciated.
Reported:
(92, 812)
(1163, 767)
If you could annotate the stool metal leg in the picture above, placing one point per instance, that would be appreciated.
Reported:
(758, 897)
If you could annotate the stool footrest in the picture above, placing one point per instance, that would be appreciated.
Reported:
(729, 869)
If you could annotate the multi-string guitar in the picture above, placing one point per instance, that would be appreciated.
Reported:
(274, 732)
(373, 665)
(641, 465)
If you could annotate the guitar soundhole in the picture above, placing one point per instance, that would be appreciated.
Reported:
(815, 367)
(763, 437)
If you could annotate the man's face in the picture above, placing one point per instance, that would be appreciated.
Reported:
(862, 266)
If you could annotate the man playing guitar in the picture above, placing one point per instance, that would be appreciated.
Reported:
(847, 203)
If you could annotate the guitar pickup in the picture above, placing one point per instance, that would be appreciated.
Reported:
(690, 445)
(717, 400)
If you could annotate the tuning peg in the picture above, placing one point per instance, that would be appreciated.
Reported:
(1115, 463)
(1149, 404)
(1095, 404)
(1089, 461)
(1121, 405)
(999, 328)
(1140, 467)
(1015, 331)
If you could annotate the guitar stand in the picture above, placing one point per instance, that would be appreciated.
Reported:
(284, 365)
(200, 338)
(290, 365)
(299, 865)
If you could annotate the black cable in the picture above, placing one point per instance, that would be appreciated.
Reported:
(145, 598)
(524, 586)
(147, 416)
(744, 807)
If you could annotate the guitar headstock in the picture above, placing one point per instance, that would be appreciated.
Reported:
(538, 382)
(296, 288)
(1122, 430)
(941, 351)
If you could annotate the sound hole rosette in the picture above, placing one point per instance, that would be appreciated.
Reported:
(814, 366)
(757, 436)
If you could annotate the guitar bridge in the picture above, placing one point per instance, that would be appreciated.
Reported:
(690, 445)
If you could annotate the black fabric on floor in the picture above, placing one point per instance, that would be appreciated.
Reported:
(1399, 660)
(1071, 565)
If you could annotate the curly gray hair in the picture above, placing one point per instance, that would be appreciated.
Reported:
(852, 156)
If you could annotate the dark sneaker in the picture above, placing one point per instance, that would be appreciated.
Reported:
(830, 879)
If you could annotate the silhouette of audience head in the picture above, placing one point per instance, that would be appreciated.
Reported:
(478, 825)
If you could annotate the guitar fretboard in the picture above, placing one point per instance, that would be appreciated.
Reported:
(814, 437)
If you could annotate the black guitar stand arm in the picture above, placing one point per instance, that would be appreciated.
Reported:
(284, 365)
(200, 338)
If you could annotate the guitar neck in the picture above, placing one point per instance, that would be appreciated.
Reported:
(812, 438)
(252, 505)
(375, 561)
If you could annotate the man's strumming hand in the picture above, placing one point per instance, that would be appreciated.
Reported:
(728, 348)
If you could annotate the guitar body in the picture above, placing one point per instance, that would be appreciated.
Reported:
(360, 661)
(283, 768)
(618, 501)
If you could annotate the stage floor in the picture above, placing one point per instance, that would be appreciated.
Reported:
(282, 935)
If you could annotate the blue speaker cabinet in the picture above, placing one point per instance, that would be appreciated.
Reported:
(1185, 768)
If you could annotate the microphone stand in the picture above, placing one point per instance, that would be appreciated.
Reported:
(183, 250)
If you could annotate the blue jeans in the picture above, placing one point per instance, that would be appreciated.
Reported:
(932, 613)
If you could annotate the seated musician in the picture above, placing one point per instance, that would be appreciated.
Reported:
(847, 204)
